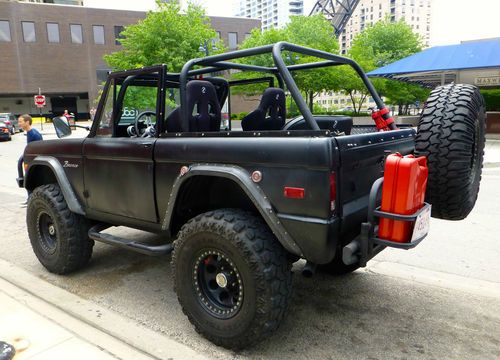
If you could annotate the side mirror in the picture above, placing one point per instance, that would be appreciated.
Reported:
(61, 126)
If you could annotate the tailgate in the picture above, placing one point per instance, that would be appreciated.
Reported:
(361, 163)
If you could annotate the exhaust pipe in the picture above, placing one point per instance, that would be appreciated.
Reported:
(349, 251)
(309, 269)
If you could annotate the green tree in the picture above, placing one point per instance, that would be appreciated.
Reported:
(377, 46)
(167, 36)
(315, 32)
(312, 31)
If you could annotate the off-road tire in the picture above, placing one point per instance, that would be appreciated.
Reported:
(451, 134)
(69, 247)
(244, 241)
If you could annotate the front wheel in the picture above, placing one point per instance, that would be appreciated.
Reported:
(232, 277)
(59, 238)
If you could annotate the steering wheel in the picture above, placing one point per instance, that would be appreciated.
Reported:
(149, 131)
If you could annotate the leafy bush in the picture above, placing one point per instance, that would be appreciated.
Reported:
(239, 116)
(492, 99)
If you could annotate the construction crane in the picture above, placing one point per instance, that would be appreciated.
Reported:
(337, 12)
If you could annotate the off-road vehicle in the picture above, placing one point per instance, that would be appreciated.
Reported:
(239, 206)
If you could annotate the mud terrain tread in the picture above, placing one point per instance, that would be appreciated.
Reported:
(269, 263)
(74, 247)
(451, 117)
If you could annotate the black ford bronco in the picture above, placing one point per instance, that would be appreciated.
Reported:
(239, 204)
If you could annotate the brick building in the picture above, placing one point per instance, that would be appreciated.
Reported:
(60, 49)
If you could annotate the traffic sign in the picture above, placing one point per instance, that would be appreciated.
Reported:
(39, 100)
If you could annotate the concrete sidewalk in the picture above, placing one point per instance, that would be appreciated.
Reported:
(492, 153)
(47, 322)
(37, 337)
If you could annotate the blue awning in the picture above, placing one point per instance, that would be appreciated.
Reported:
(468, 55)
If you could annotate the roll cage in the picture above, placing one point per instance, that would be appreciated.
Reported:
(222, 62)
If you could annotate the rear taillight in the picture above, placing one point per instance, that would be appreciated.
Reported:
(5, 130)
(294, 192)
(333, 191)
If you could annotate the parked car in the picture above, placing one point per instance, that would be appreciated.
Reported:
(4, 132)
(10, 120)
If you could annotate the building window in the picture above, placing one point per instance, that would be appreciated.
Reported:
(118, 34)
(28, 31)
(53, 33)
(98, 31)
(76, 33)
(233, 40)
(5, 31)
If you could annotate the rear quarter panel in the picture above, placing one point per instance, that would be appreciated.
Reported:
(296, 162)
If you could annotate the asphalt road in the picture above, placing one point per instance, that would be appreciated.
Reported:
(438, 301)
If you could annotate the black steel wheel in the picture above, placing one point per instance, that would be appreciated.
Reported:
(451, 134)
(47, 233)
(218, 282)
(59, 238)
(232, 277)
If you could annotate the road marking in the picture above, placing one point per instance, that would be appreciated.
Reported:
(435, 278)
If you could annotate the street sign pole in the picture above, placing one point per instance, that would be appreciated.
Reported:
(41, 122)
(40, 103)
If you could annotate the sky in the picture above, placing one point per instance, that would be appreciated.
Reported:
(452, 21)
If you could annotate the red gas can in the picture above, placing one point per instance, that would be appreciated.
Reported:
(403, 193)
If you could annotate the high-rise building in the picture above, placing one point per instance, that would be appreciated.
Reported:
(416, 13)
(272, 13)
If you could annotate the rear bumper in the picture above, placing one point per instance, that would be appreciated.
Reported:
(368, 244)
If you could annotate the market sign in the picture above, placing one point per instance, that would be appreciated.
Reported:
(487, 81)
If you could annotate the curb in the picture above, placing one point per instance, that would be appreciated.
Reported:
(491, 165)
(435, 278)
(95, 324)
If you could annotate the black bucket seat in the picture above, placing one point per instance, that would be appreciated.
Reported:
(270, 114)
(203, 108)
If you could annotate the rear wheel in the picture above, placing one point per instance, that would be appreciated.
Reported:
(451, 135)
(59, 238)
(232, 277)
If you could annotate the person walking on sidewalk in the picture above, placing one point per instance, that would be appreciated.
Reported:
(32, 134)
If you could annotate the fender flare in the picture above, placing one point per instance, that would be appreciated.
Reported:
(58, 171)
(243, 179)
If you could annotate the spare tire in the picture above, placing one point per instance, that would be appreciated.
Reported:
(451, 135)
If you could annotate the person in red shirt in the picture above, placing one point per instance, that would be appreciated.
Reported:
(67, 116)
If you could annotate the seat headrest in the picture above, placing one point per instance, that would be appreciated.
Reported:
(272, 97)
(203, 106)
